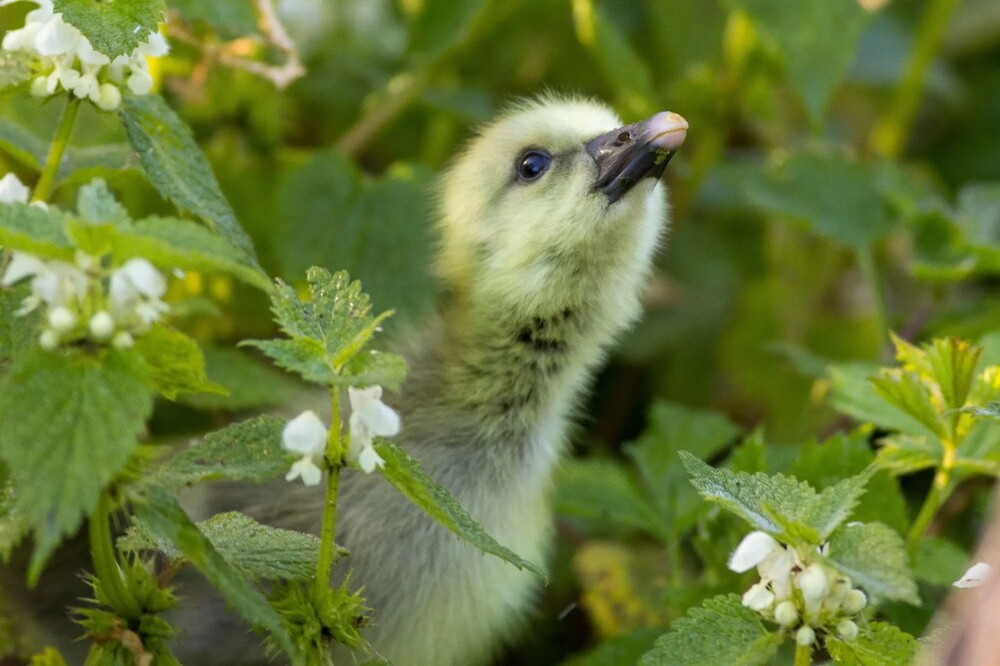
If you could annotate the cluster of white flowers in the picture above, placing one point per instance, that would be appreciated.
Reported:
(796, 593)
(370, 417)
(66, 60)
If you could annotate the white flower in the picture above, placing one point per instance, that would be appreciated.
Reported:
(805, 635)
(135, 290)
(307, 435)
(752, 549)
(370, 418)
(847, 629)
(62, 319)
(786, 614)
(977, 574)
(109, 97)
(813, 582)
(854, 602)
(776, 567)
(758, 597)
(154, 46)
(12, 190)
(101, 325)
(54, 282)
(140, 82)
(49, 339)
(122, 340)
(56, 37)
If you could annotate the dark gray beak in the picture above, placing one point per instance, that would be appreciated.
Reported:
(626, 155)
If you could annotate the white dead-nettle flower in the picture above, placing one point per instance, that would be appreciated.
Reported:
(13, 190)
(370, 418)
(752, 549)
(136, 290)
(806, 635)
(977, 574)
(64, 59)
(307, 435)
(758, 597)
(847, 629)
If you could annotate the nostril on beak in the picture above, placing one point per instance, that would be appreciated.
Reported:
(624, 137)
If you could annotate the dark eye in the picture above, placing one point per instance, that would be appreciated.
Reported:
(533, 164)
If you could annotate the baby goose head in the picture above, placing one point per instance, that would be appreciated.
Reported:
(553, 196)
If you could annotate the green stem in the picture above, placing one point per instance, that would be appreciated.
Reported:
(102, 552)
(890, 133)
(803, 655)
(334, 459)
(936, 497)
(873, 278)
(56, 150)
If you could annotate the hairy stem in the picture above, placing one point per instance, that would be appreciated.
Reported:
(102, 552)
(803, 655)
(48, 177)
(334, 460)
(890, 133)
(940, 490)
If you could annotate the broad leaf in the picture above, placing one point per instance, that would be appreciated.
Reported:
(175, 363)
(34, 229)
(939, 561)
(721, 632)
(873, 556)
(406, 475)
(880, 644)
(604, 491)
(70, 423)
(176, 167)
(113, 28)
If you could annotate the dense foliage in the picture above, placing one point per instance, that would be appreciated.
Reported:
(818, 367)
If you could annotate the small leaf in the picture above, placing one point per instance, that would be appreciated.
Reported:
(721, 632)
(34, 229)
(70, 423)
(907, 392)
(408, 477)
(247, 451)
(176, 167)
(175, 363)
(853, 394)
(113, 28)
(604, 491)
(257, 551)
(872, 555)
(953, 366)
(164, 517)
(880, 644)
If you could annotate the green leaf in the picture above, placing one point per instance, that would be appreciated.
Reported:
(18, 333)
(721, 632)
(990, 410)
(776, 503)
(950, 362)
(113, 28)
(328, 332)
(15, 69)
(257, 551)
(97, 205)
(853, 394)
(13, 526)
(442, 25)
(906, 454)
(406, 475)
(176, 167)
(879, 644)
(939, 561)
(79, 163)
(250, 382)
(231, 18)
(164, 517)
(187, 245)
(907, 392)
(816, 56)
(873, 556)
(247, 451)
(673, 428)
(623, 649)
(175, 362)
(604, 491)
(70, 423)
(34, 229)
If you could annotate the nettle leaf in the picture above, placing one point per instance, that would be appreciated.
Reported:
(35, 230)
(70, 423)
(13, 525)
(79, 163)
(96, 204)
(175, 363)
(406, 475)
(113, 28)
(231, 18)
(873, 556)
(247, 451)
(187, 245)
(950, 362)
(853, 394)
(164, 518)
(779, 504)
(906, 391)
(176, 167)
(722, 632)
(939, 561)
(328, 332)
(673, 428)
(604, 491)
(18, 333)
(257, 551)
(879, 644)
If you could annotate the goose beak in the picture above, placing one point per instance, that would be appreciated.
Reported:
(626, 155)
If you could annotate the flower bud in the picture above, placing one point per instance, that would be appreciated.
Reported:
(786, 614)
(109, 97)
(101, 325)
(49, 339)
(122, 340)
(39, 86)
(847, 630)
(813, 582)
(758, 597)
(61, 319)
(805, 635)
(854, 601)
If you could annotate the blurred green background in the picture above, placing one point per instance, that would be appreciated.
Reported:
(840, 180)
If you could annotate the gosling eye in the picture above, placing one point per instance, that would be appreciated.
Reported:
(532, 164)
